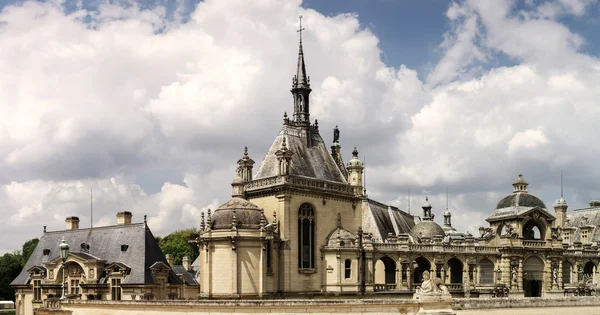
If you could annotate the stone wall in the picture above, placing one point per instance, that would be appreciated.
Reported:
(309, 306)
(495, 303)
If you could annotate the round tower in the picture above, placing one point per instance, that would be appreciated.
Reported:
(355, 173)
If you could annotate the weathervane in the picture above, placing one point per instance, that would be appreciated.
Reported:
(301, 28)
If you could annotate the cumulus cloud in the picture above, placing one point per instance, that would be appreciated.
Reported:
(152, 109)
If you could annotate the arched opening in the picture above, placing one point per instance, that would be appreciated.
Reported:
(533, 231)
(306, 236)
(456, 270)
(420, 265)
(486, 271)
(385, 274)
(348, 269)
(533, 275)
(588, 270)
(567, 271)
(73, 278)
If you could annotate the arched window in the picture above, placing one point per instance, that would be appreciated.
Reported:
(486, 271)
(306, 236)
(348, 269)
(566, 272)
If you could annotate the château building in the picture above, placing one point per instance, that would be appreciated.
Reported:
(302, 225)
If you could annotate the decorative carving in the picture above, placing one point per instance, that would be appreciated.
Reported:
(586, 287)
(500, 291)
(556, 233)
(336, 134)
(485, 232)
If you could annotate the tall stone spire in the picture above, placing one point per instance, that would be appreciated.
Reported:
(301, 87)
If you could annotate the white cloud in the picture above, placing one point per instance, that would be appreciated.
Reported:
(103, 98)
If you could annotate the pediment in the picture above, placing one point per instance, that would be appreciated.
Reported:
(537, 213)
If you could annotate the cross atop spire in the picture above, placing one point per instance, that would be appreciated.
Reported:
(300, 31)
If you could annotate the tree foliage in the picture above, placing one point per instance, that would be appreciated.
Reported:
(10, 267)
(177, 245)
(28, 248)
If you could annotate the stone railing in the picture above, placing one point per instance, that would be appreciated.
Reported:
(52, 304)
(532, 243)
(300, 182)
(385, 287)
(452, 248)
(454, 287)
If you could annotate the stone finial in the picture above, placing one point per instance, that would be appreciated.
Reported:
(262, 218)
(208, 220)
(275, 219)
(202, 222)
(246, 152)
(339, 220)
(234, 221)
(44, 229)
(145, 219)
(355, 152)
(284, 145)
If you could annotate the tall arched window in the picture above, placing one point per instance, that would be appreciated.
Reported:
(306, 236)
(486, 271)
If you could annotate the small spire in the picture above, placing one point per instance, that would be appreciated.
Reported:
(234, 221)
(355, 152)
(262, 218)
(145, 219)
(44, 229)
(561, 184)
(208, 220)
(202, 222)
(245, 152)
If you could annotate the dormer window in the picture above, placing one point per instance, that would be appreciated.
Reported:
(566, 237)
(584, 236)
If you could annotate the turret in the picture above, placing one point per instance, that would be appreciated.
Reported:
(243, 174)
(427, 216)
(284, 156)
(560, 208)
(355, 173)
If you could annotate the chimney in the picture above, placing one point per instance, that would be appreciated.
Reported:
(124, 217)
(169, 259)
(72, 223)
(187, 264)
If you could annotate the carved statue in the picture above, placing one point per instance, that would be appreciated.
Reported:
(485, 232)
(556, 233)
(336, 134)
(435, 285)
(554, 276)
(513, 275)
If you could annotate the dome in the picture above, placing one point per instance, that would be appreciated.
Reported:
(426, 229)
(355, 161)
(247, 215)
(520, 199)
(560, 202)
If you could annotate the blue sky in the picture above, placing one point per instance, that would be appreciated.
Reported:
(152, 110)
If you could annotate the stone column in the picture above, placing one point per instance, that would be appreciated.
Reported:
(520, 275)
(560, 273)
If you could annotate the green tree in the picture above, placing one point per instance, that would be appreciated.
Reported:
(177, 245)
(10, 267)
(28, 248)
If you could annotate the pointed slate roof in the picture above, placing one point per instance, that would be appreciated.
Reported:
(105, 244)
(310, 160)
(381, 220)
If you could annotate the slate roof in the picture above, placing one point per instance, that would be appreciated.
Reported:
(586, 217)
(313, 161)
(105, 244)
(187, 275)
(381, 219)
(516, 204)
